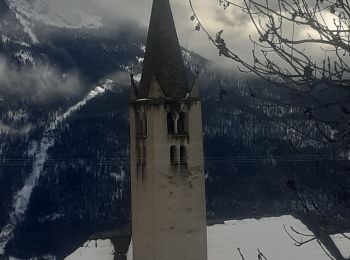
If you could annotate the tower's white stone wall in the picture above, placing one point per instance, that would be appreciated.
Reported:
(168, 198)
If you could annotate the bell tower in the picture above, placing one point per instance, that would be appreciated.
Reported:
(167, 169)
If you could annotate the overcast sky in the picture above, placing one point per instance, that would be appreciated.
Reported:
(236, 25)
(82, 13)
(237, 29)
(213, 16)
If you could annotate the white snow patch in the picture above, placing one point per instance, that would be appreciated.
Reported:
(22, 198)
(137, 78)
(143, 48)
(189, 61)
(6, 40)
(267, 234)
(17, 6)
(186, 55)
(94, 250)
(129, 254)
(109, 83)
(17, 115)
(25, 57)
(140, 60)
(119, 177)
(62, 14)
(93, 93)
(343, 243)
(52, 217)
(33, 147)
(28, 28)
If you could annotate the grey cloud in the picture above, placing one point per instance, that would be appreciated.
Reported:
(116, 13)
(41, 83)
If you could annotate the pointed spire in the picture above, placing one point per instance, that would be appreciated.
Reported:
(163, 58)
(155, 91)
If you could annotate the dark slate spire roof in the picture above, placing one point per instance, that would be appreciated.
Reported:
(163, 58)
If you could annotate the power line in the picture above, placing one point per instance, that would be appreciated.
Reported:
(206, 157)
(207, 160)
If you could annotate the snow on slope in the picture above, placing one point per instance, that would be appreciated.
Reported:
(28, 27)
(267, 234)
(57, 13)
(22, 198)
(342, 241)
(66, 14)
(25, 57)
(5, 40)
(94, 250)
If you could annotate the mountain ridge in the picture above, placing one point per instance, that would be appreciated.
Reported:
(83, 185)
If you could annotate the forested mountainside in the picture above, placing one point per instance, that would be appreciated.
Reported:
(64, 138)
(81, 169)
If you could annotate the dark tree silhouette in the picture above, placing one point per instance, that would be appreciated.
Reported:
(281, 55)
(314, 66)
(286, 58)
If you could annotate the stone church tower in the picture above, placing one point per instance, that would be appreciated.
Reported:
(167, 170)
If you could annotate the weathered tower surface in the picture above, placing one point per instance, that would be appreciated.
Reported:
(167, 169)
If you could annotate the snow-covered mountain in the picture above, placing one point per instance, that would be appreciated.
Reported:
(22, 198)
(64, 133)
(61, 14)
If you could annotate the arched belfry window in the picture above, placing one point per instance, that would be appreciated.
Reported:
(144, 122)
(183, 155)
(171, 123)
(139, 125)
(182, 123)
(173, 155)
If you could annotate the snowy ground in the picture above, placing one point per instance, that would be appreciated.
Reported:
(342, 241)
(94, 250)
(266, 234)
(249, 235)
